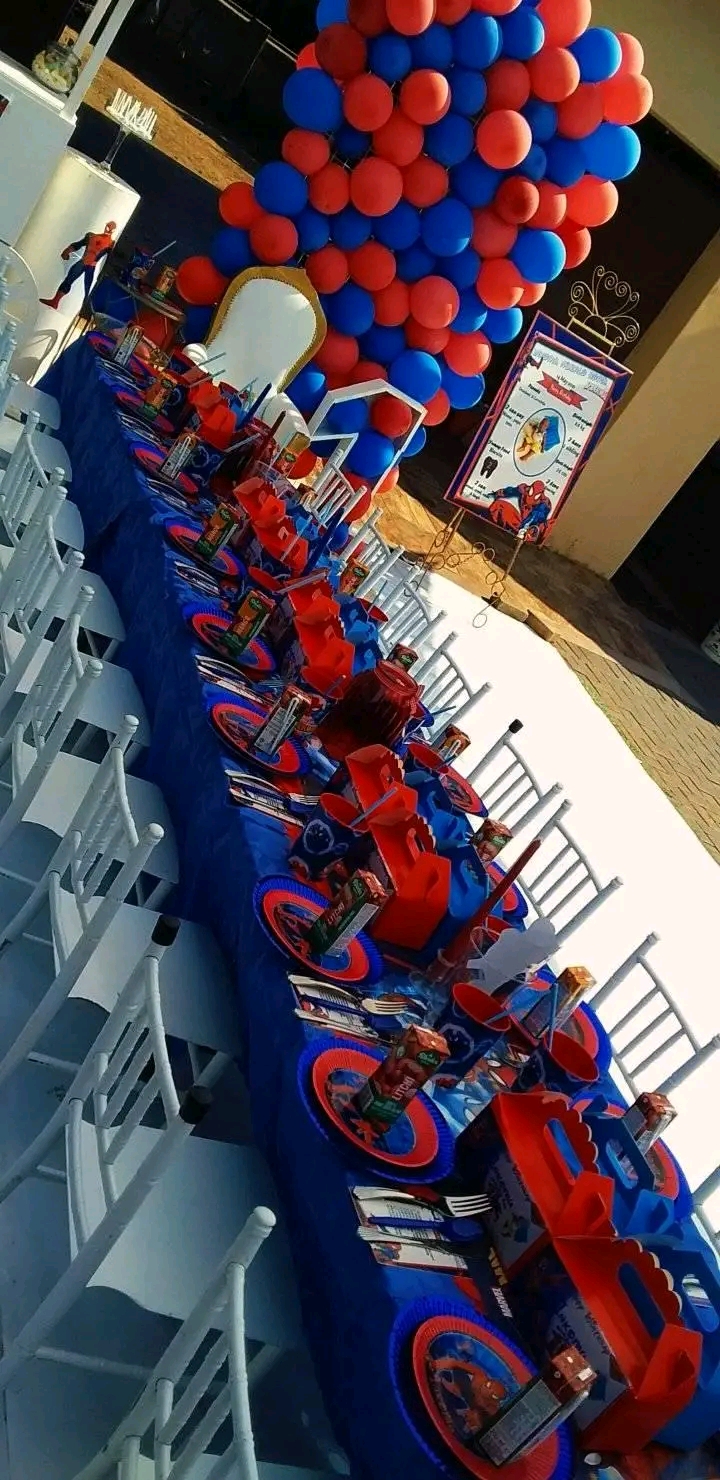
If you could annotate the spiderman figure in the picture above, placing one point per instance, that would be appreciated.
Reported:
(522, 510)
(94, 246)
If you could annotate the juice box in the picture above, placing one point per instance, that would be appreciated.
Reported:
(490, 838)
(451, 743)
(405, 656)
(573, 984)
(353, 576)
(179, 454)
(128, 343)
(283, 718)
(217, 531)
(413, 1060)
(251, 615)
(648, 1118)
(537, 1409)
(358, 901)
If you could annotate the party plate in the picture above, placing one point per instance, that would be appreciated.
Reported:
(150, 460)
(132, 402)
(184, 537)
(452, 1370)
(285, 908)
(461, 795)
(237, 720)
(512, 903)
(210, 626)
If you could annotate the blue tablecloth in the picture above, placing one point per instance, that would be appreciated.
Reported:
(349, 1301)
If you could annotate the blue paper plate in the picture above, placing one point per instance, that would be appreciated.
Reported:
(284, 906)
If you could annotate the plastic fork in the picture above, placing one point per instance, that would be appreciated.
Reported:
(467, 1205)
(391, 1006)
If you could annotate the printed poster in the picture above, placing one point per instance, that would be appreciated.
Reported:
(547, 417)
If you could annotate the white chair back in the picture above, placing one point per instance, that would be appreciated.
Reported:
(410, 619)
(267, 325)
(508, 787)
(30, 578)
(566, 878)
(25, 484)
(200, 1383)
(8, 345)
(446, 691)
(8, 384)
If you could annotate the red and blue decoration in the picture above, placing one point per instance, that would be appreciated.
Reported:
(285, 908)
(236, 723)
(210, 624)
(445, 161)
(417, 1149)
(184, 537)
(451, 1370)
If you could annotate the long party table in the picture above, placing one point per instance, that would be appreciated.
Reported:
(349, 1302)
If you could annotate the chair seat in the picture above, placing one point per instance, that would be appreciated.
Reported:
(101, 616)
(50, 451)
(204, 1466)
(113, 695)
(165, 1257)
(66, 784)
(25, 398)
(198, 999)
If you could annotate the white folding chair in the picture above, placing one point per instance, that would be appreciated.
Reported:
(448, 694)
(506, 784)
(150, 1211)
(198, 1386)
(410, 619)
(23, 483)
(18, 399)
(567, 876)
(49, 450)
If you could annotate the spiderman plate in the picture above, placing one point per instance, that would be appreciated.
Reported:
(210, 627)
(286, 909)
(133, 403)
(184, 537)
(461, 795)
(150, 460)
(236, 722)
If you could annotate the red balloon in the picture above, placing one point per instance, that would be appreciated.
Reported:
(552, 207)
(391, 417)
(367, 370)
(564, 20)
(274, 239)
(389, 482)
(626, 99)
(499, 283)
(305, 464)
(508, 85)
(363, 505)
(335, 379)
(492, 237)
(449, 12)
(369, 17)
(633, 56)
(468, 354)
(307, 151)
(531, 294)
(554, 74)
(437, 409)
(503, 138)
(237, 205)
(376, 186)
(392, 304)
(306, 57)
(420, 337)
(329, 189)
(338, 354)
(576, 241)
(592, 202)
(341, 51)
(582, 112)
(425, 182)
(425, 95)
(496, 7)
(198, 281)
(367, 102)
(410, 17)
(516, 200)
(434, 302)
(372, 266)
(327, 269)
(400, 139)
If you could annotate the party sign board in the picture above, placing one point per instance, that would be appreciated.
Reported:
(549, 414)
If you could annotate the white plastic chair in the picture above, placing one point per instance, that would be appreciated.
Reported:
(448, 694)
(49, 450)
(18, 399)
(511, 792)
(410, 619)
(23, 483)
(568, 875)
(199, 1384)
(150, 1211)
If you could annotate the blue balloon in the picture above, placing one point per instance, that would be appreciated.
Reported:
(468, 90)
(383, 343)
(400, 227)
(350, 142)
(446, 228)
(197, 322)
(231, 251)
(451, 140)
(565, 162)
(389, 57)
(612, 151)
(534, 164)
(416, 443)
(503, 324)
(462, 391)
(307, 389)
(542, 118)
(416, 373)
(476, 41)
(371, 456)
(349, 416)
(351, 310)
(538, 255)
(281, 189)
(313, 229)
(474, 182)
(433, 48)
(461, 270)
(598, 54)
(471, 314)
(350, 229)
(330, 11)
(312, 100)
(414, 263)
(523, 34)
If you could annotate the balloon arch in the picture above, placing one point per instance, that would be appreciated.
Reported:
(446, 160)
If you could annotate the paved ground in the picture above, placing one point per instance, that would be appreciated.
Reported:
(661, 694)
